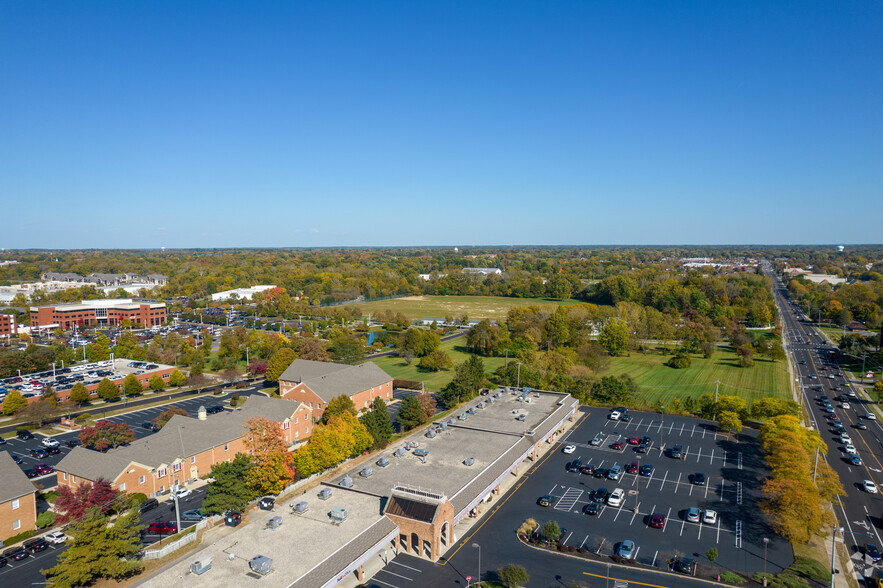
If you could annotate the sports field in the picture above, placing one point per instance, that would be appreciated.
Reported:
(660, 382)
(434, 381)
(475, 307)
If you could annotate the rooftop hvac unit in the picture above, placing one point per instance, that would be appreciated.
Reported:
(481, 404)
(383, 461)
(444, 426)
(421, 452)
(469, 461)
(399, 452)
(492, 399)
(338, 514)
(367, 472)
(260, 564)
(462, 416)
(521, 417)
(347, 482)
(274, 523)
(301, 508)
(430, 433)
(201, 566)
(452, 422)
(536, 395)
(498, 395)
(471, 410)
(325, 493)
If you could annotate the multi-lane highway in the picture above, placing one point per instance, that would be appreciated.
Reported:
(819, 378)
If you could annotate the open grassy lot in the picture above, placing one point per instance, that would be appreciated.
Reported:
(434, 381)
(475, 307)
(660, 382)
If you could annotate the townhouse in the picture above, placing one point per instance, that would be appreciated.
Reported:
(315, 383)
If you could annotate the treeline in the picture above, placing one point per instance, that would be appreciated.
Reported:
(841, 304)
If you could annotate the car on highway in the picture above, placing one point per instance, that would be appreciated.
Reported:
(163, 527)
(869, 486)
(647, 469)
(546, 500)
(569, 448)
(592, 508)
(657, 520)
(56, 537)
(692, 514)
(844, 405)
(872, 553)
(849, 448)
(616, 497)
(855, 460)
(709, 517)
(845, 439)
(870, 416)
(626, 549)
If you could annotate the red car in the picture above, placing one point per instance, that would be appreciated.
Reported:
(163, 527)
(618, 445)
(657, 521)
(42, 468)
(634, 441)
(632, 468)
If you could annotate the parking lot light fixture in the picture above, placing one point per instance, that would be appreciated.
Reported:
(766, 542)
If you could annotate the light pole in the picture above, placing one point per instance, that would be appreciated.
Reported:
(766, 542)
(477, 546)
(833, 549)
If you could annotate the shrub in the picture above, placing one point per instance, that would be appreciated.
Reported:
(20, 537)
(45, 519)
(679, 361)
(527, 527)
(50, 496)
(732, 578)
(83, 417)
(711, 554)
(138, 498)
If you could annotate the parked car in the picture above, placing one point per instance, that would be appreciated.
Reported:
(73, 442)
(148, 504)
(56, 537)
(676, 452)
(149, 426)
(587, 469)
(24, 435)
(574, 465)
(692, 515)
(597, 440)
(546, 500)
(657, 520)
(192, 515)
(626, 549)
(634, 441)
(709, 517)
(31, 473)
(49, 442)
(600, 494)
(592, 508)
(16, 458)
(183, 493)
(614, 472)
(214, 409)
(35, 545)
(39, 453)
(163, 527)
(683, 565)
(569, 448)
(872, 553)
(601, 472)
(15, 553)
(646, 469)
(43, 469)
(632, 468)
(617, 445)
(2, 441)
(614, 415)
(616, 497)
(699, 479)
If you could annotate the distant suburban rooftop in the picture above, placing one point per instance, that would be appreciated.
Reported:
(328, 380)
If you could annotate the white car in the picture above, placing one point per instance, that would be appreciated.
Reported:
(848, 448)
(569, 448)
(869, 487)
(56, 537)
(184, 493)
(616, 497)
(49, 442)
(709, 517)
(614, 416)
(845, 439)
(845, 405)
(871, 416)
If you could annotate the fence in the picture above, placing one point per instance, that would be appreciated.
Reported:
(176, 545)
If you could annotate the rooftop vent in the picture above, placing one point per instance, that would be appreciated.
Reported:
(383, 461)
(536, 395)
(399, 452)
(471, 410)
(260, 564)
(452, 422)
(469, 461)
(462, 416)
(444, 426)
(498, 395)
(338, 515)
(275, 522)
(481, 404)
(431, 433)
(367, 472)
(521, 417)
(421, 452)
(301, 507)
(347, 482)
(325, 493)
(492, 399)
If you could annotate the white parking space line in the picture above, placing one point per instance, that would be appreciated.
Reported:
(718, 540)
(667, 518)
(699, 455)
(699, 536)
(678, 484)
(374, 579)
(568, 537)
(636, 553)
(397, 575)
(683, 522)
(664, 478)
(693, 431)
(637, 510)
(707, 486)
(690, 493)
(711, 459)
(584, 542)
(618, 512)
(682, 429)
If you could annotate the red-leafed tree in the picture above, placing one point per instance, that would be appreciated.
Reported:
(106, 435)
(257, 368)
(73, 504)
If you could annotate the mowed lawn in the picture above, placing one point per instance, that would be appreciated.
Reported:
(659, 382)
(434, 381)
(475, 307)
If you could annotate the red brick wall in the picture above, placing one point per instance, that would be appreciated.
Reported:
(25, 514)
(8, 325)
(362, 399)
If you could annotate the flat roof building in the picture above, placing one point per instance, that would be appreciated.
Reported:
(240, 293)
(91, 313)
(8, 326)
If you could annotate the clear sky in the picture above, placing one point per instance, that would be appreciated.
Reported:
(223, 124)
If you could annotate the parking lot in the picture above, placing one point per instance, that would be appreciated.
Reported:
(732, 469)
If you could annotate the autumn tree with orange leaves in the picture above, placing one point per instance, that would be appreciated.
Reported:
(272, 464)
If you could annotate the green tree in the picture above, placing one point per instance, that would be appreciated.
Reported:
(484, 338)
(14, 402)
(410, 414)
(728, 420)
(176, 378)
(79, 394)
(99, 548)
(108, 391)
(279, 362)
(679, 361)
(551, 531)
(228, 490)
(467, 380)
(436, 361)
(378, 423)
(614, 337)
(613, 390)
(347, 349)
(338, 405)
(513, 576)
(156, 383)
(132, 385)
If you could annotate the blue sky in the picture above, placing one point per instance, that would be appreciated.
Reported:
(222, 124)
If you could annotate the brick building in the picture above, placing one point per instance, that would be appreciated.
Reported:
(101, 313)
(315, 383)
(183, 450)
(8, 327)
(18, 499)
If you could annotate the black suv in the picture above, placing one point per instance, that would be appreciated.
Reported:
(39, 453)
(214, 409)
(16, 553)
(148, 504)
(149, 426)
(24, 435)
(36, 544)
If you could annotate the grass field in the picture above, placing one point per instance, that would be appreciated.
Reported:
(475, 307)
(659, 382)
(434, 381)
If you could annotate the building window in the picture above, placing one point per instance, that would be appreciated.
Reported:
(64, 475)
(16, 525)
(176, 467)
(15, 504)
(73, 478)
(226, 446)
(295, 420)
(296, 435)
(193, 459)
(161, 473)
(123, 487)
(286, 425)
(141, 480)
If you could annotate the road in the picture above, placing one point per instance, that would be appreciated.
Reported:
(818, 373)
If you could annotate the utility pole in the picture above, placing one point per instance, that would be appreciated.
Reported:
(717, 383)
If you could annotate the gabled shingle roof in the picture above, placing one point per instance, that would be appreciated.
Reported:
(13, 482)
(180, 438)
(328, 380)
